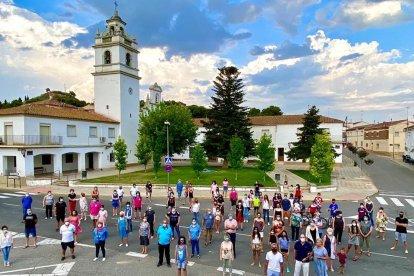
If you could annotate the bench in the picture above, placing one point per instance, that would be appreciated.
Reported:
(14, 176)
(39, 170)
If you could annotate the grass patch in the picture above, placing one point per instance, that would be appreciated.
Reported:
(246, 177)
(308, 177)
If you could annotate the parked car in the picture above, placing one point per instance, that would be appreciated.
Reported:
(408, 159)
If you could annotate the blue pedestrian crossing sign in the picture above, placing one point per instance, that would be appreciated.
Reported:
(168, 160)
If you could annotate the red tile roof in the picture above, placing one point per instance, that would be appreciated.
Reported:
(55, 109)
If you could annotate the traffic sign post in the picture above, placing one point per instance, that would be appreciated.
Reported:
(168, 160)
(168, 168)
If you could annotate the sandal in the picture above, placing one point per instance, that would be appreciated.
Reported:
(369, 254)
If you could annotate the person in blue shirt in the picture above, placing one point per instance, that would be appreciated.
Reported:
(179, 188)
(164, 234)
(26, 203)
(181, 256)
(286, 206)
(284, 248)
(208, 224)
(333, 207)
(194, 232)
(100, 233)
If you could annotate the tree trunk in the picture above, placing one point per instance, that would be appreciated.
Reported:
(225, 164)
(236, 174)
(145, 168)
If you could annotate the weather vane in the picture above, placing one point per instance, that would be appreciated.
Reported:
(116, 5)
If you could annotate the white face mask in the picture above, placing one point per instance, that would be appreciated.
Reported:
(353, 224)
(302, 239)
(67, 223)
(330, 233)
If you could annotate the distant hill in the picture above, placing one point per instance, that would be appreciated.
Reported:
(64, 97)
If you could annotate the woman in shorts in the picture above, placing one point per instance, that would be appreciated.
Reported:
(144, 232)
(256, 243)
(225, 187)
(181, 256)
(75, 221)
(83, 205)
(284, 249)
(217, 219)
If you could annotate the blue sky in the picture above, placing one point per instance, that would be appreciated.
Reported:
(347, 57)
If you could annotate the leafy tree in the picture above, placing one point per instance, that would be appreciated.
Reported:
(236, 154)
(198, 111)
(198, 160)
(322, 159)
(120, 154)
(156, 154)
(271, 111)
(227, 117)
(254, 112)
(143, 151)
(182, 131)
(306, 136)
(265, 152)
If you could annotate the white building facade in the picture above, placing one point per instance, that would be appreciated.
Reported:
(409, 142)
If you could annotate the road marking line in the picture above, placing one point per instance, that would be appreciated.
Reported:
(61, 269)
(23, 193)
(135, 254)
(4, 196)
(397, 202)
(235, 271)
(381, 200)
(11, 204)
(410, 201)
(395, 195)
(189, 263)
(388, 255)
(8, 194)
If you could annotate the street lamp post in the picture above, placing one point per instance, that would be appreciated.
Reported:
(167, 123)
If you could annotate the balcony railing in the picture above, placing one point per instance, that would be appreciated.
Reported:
(30, 140)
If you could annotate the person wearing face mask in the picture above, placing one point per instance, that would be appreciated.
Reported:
(194, 232)
(329, 242)
(401, 224)
(95, 193)
(381, 220)
(102, 215)
(233, 198)
(369, 206)
(60, 211)
(83, 205)
(48, 202)
(30, 221)
(148, 190)
(246, 206)
(226, 254)
(239, 214)
(179, 188)
(100, 233)
(150, 215)
(128, 216)
(286, 206)
(283, 243)
(366, 231)
(67, 231)
(72, 200)
(312, 233)
(26, 203)
(144, 235)
(256, 243)
(174, 218)
(320, 255)
(278, 225)
(196, 209)
(230, 227)
(207, 224)
(302, 254)
(354, 232)
(218, 217)
(75, 221)
(295, 224)
(6, 244)
(120, 192)
(137, 206)
(266, 209)
(94, 208)
(274, 262)
(115, 203)
(165, 235)
(181, 256)
(122, 229)
(260, 224)
(362, 212)
(338, 226)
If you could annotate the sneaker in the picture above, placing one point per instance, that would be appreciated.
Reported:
(198, 256)
(392, 248)
(8, 264)
(73, 257)
(406, 251)
(288, 270)
(62, 259)
(45, 217)
(103, 259)
(252, 264)
(158, 265)
(126, 245)
(95, 259)
(260, 265)
(121, 244)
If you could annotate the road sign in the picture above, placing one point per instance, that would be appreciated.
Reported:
(168, 168)
(168, 160)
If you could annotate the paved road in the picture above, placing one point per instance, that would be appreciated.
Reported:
(382, 262)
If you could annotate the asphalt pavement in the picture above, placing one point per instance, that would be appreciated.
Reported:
(123, 260)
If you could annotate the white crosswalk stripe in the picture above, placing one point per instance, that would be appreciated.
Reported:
(10, 194)
(397, 202)
(381, 200)
(410, 201)
(4, 196)
(14, 194)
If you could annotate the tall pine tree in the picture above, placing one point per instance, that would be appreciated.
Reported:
(227, 117)
(302, 149)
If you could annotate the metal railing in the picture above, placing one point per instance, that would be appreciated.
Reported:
(30, 140)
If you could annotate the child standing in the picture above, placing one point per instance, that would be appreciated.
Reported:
(181, 256)
(115, 203)
(83, 204)
(342, 260)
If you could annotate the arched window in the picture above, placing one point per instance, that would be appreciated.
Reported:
(107, 57)
(128, 59)
(157, 98)
(112, 30)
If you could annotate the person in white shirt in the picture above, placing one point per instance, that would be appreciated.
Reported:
(6, 243)
(133, 192)
(120, 192)
(274, 262)
(67, 231)
(196, 209)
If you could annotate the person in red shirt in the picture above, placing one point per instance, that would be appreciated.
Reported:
(137, 206)
(298, 192)
(342, 260)
(318, 201)
(233, 198)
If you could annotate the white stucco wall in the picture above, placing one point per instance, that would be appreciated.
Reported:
(409, 143)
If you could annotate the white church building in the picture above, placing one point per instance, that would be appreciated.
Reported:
(53, 137)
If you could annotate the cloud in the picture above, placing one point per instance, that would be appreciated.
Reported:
(362, 14)
(235, 12)
(286, 50)
(350, 57)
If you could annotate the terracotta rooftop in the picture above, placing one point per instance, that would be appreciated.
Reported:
(278, 120)
(55, 109)
(384, 125)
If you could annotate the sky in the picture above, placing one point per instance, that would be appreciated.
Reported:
(353, 59)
